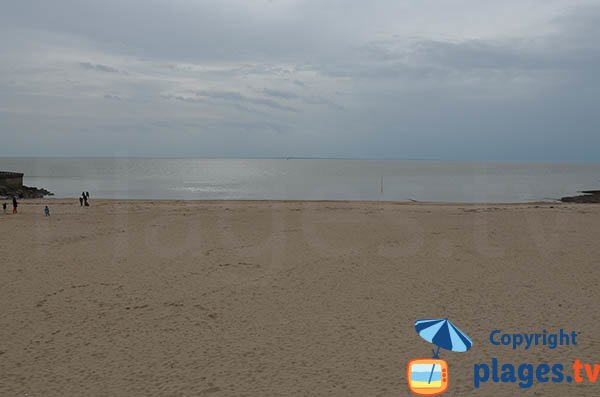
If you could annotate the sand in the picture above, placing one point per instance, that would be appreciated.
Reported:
(134, 298)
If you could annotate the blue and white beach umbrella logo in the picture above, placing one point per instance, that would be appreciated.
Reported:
(443, 334)
(428, 377)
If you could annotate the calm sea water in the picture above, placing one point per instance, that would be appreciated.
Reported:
(208, 179)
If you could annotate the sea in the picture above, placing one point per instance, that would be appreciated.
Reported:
(305, 179)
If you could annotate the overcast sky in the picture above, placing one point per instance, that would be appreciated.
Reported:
(461, 79)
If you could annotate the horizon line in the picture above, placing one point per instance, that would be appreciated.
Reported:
(513, 161)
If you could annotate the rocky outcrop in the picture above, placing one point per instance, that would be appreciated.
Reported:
(23, 192)
(588, 196)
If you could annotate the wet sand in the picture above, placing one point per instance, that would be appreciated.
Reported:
(135, 298)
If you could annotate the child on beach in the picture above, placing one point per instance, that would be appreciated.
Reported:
(46, 211)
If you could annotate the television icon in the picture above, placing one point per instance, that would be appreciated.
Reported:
(427, 376)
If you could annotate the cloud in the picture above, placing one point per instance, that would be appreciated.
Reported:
(184, 99)
(310, 100)
(299, 83)
(280, 94)
(99, 67)
(233, 96)
(427, 79)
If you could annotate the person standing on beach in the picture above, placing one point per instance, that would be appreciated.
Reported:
(85, 200)
(15, 205)
(4, 207)
(87, 194)
(46, 211)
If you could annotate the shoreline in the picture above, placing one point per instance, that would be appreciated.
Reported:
(241, 201)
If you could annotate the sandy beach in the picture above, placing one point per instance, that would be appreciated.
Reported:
(188, 298)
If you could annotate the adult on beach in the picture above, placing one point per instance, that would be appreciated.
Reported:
(81, 201)
(15, 204)
(4, 207)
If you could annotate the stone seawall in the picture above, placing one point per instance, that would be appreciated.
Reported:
(23, 192)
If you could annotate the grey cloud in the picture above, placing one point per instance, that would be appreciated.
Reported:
(203, 100)
(299, 83)
(184, 30)
(375, 78)
(311, 100)
(238, 97)
(280, 94)
(171, 124)
(515, 54)
(572, 47)
(230, 125)
(184, 99)
(99, 67)
(248, 110)
(227, 95)
(317, 100)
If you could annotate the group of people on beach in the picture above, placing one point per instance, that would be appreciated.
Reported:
(14, 203)
(83, 200)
